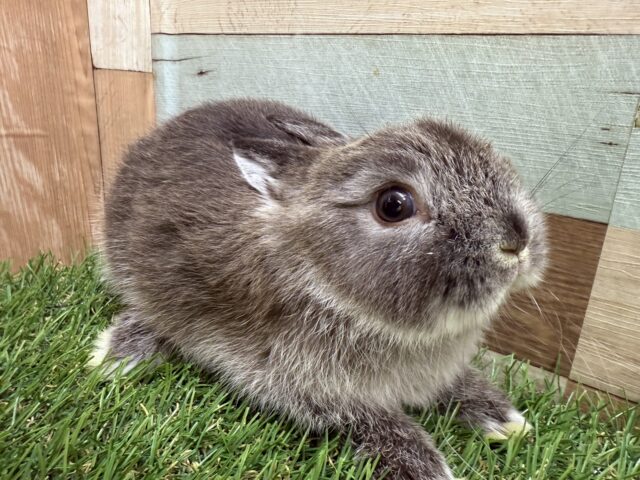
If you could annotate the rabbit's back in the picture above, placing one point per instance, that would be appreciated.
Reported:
(175, 221)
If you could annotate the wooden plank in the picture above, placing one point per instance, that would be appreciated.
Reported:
(544, 326)
(120, 34)
(395, 16)
(50, 178)
(626, 211)
(126, 111)
(608, 354)
(542, 100)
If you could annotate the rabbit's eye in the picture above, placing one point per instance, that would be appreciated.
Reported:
(394, 205)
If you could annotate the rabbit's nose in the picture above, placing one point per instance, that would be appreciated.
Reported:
(516, 236)
(512, 248)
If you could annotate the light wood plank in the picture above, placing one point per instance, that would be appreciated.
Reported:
(126, 111)
(541, 100)
(395, 16)
(543, 326)
(120, 34)
(50, 176)
(608, 354)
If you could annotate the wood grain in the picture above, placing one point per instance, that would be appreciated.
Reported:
(120, 34)
(50, 178)
(550, 103)
(544, 327)
(608, 354)
(626, 211)
(126, 111)
(395, 16)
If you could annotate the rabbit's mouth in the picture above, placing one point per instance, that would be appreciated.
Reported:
(524, 265)
(528, 277)
(530, 269)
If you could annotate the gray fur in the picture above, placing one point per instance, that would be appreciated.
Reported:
(295, 294)
(133, 339)
(477, 400)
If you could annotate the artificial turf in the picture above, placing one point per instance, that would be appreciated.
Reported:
(58, 420)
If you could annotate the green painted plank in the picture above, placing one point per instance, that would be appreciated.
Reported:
(626, 209)
(539, 98)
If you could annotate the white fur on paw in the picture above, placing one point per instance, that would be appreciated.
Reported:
(516, 425)
(100, 348)
(100, 353)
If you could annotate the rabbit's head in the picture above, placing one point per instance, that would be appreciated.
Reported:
(421, 226)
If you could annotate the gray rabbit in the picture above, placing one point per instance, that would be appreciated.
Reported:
(330, 279)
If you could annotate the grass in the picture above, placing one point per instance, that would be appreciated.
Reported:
(59, 420)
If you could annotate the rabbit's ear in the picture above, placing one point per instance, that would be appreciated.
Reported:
(261, 161)
(254, 170)
(309, 131)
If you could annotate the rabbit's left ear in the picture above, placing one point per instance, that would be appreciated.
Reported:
(261, 161)
(310, 132)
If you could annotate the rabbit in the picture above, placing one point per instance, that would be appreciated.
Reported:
(333, 280)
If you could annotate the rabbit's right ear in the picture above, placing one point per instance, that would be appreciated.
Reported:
(261, 162)
(310, 132)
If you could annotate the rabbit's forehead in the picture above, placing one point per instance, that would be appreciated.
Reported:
(426, 150)
(434, 173)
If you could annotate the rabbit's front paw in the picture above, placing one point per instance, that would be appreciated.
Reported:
(515, 425)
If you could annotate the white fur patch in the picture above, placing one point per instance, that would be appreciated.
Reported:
(460, 320)
(100, 348)
(516, 425)
(100, 356)
(256, 174)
